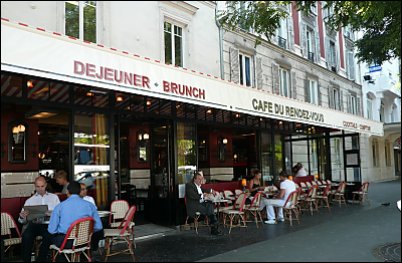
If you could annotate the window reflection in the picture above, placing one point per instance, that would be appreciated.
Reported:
(18, 143)
(91, 154)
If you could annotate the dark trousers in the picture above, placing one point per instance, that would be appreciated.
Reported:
(28, 240)
(207, 208)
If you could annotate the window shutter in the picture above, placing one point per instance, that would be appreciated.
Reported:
(351, 66)
(317, 47)
(275, 78)
(291, 33)
(341, 101)
(327, 54)
(330, 101)
(337, 58)
(293, 83)
(319, 94)
(304, 39)
(307, 90)
(359, 106)
(258, 70)
(234, 65)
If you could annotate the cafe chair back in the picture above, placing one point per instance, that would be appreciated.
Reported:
(118, 209)
(79, 234)
(10, 233)
(124, 233)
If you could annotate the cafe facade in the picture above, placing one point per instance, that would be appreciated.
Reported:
(119, 119)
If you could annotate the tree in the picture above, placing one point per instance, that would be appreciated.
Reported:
(380, 22)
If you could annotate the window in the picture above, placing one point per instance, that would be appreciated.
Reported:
(369, 109)
(375, 153)
(245, 70)
(352, 102)
(387, 154)
(334, 99)
(284, 82)
(313, 91)
(382, 112)
(173, 36)
(332, 55)
(282, 32)
(394, 113)
(310, 44)
(80, 20)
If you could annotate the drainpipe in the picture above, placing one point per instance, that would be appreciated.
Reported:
(220, 42)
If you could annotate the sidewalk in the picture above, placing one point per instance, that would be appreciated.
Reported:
(352, 233)
(346, 234)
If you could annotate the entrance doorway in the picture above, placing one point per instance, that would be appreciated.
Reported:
(161, 193)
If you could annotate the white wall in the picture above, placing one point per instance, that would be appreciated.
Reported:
(136, 27)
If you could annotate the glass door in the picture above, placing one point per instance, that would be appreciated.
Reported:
(161, 180)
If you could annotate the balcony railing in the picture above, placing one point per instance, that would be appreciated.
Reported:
(281, 42)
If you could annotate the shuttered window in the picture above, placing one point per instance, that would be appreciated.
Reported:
(284, 82)
(245, 70)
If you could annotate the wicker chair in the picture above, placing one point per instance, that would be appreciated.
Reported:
(80, 232)
(9, 231)
(118, 209)
(124, 233)
(362, 193)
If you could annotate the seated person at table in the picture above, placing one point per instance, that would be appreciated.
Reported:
(83, 194)
(195, 201)
(286, 187)
(255, 183)
(61, 179)
(31, 230)
(299, 170)
(70, 210)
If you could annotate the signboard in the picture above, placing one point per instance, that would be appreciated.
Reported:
(375, 68)
(30, 51)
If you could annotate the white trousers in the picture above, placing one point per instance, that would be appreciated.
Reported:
(269, 205)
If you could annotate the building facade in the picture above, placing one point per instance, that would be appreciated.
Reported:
(382, 102)
(127, 95)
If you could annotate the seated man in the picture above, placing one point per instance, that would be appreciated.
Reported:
(195, 197)
(83, 194)
(31, 230)
(286, 187)
(70, 210)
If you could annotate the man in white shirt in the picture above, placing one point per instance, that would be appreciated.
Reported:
(32, 230)
(286, 187)
(83, 194)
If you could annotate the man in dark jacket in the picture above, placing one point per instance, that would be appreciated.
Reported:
(195, 201)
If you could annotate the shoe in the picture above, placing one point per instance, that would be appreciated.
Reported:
(270, 222)
(280, 219)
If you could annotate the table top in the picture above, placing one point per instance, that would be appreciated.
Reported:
(104, 213)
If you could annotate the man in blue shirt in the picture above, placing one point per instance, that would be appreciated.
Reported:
(72, 209)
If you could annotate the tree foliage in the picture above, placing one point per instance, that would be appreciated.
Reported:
(380, 22)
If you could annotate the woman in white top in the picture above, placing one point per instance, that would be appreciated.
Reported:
(299, 170)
